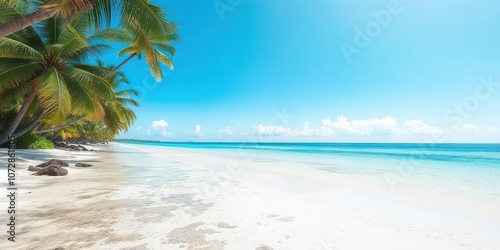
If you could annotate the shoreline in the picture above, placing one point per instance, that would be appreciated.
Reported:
(152, 197)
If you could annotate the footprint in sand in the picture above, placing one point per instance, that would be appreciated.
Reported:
(284, 219)
(263, 247)
(225, 225)
(287, 219)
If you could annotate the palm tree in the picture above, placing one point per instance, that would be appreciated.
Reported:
(118, 116)
(42, 74)
(95, 131)
(153, 46)
(45, 69)
(11, 106)
(97, 12)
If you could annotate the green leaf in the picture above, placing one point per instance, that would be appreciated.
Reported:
(151, 17)
(53, 95)
(165, 47)
(126, 51)
(17, 75)
(10, 48)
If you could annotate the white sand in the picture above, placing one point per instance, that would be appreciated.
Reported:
(140, 197)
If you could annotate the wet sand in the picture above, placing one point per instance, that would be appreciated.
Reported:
(144, 197)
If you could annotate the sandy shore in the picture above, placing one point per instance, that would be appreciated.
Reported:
(143, 197)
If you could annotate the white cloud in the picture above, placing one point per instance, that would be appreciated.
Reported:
(227, 131)
(342, 126)
(158, 128)
(273, 130)
(197, 130)
(385, 129)
(420, 127)
(159, 124)
(321, 131)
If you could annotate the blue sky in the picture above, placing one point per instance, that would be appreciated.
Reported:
(325, 70)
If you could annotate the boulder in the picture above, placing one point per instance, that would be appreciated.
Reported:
(82, 148)
(60, 144)
(73, 148)
(53, 162)
(33, 168)
(83, 165)
(52, 171)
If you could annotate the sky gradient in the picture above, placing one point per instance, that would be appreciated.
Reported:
(335, 71)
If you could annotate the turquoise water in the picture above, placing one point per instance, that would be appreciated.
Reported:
(462, 168)
(485, 155)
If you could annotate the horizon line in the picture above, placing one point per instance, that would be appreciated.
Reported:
(297, 142)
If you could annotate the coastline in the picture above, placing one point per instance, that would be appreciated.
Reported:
(147, 197)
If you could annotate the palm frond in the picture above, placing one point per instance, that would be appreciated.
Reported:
(12, 99)
(17, 75)
(128, 101)
(126, 51)
(28, 35)
(19, 5)
(10, 48)
(98, 83)
(50, 29)
(151, 17)
(72, 43)
(72, 8)
(53, 95)
(110, 34)
(84, 100)
(165, 60)
(101, 14)
(165, 47)
(87, 52)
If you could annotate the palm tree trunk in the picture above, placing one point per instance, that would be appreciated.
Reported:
(60, 126)
(25, 21)
(121, 64)
(30, 126)
(13, 126)
(36, 127)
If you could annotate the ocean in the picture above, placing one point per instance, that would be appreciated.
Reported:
(463, 169)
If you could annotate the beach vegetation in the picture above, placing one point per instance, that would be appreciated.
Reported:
(97, 13)
(33, 141)
(51, 83)
(156, 48)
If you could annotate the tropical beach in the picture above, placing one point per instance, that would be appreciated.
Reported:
(162, 197)
(266, 125)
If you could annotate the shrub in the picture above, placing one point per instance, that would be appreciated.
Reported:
(32, 141)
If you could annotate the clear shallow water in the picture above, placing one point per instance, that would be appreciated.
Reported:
(462, 168)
